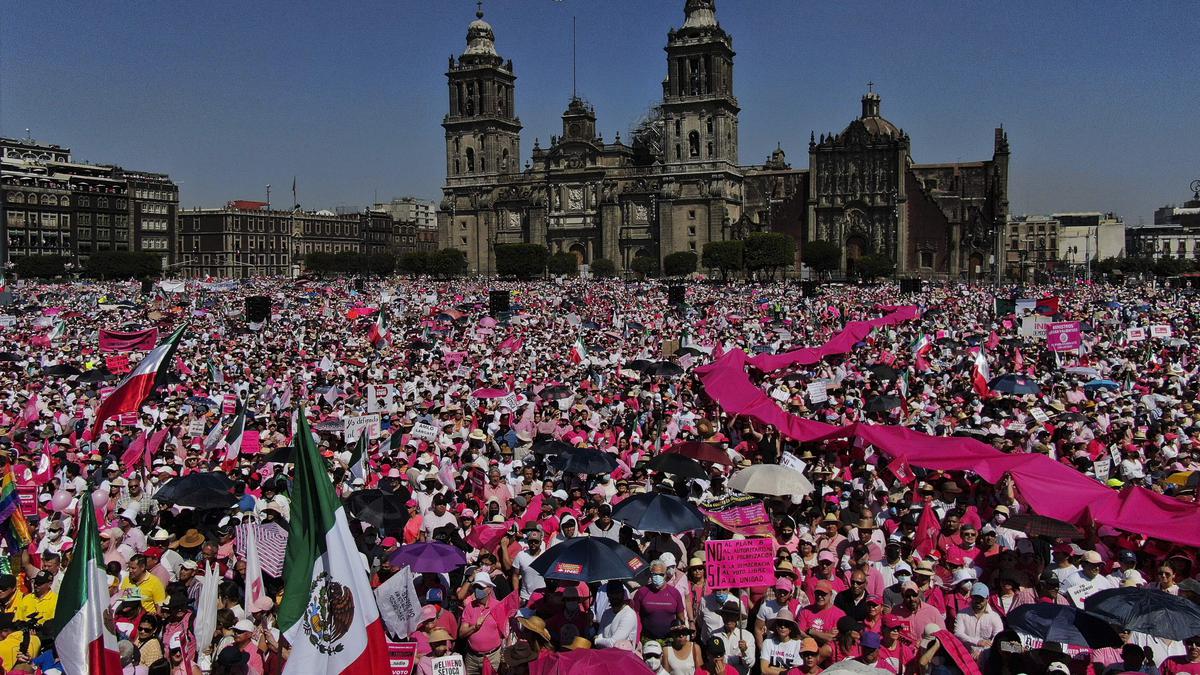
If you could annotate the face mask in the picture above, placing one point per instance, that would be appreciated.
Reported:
(657, 580)
(480, 593)
(722, 597)
(653, 662)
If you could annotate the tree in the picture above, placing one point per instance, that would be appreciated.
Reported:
(603, 267)
(320, 263)
(875, 265)
(724, 256)
(768, 252)
(565, 264)
(821, 256)
(645, 265)
(380, 264)
(123, 264)
(524, 261)
(40, 266)
(347, 262)
(1172, 267)
(414, 263)
(680, 263)
(448, 262)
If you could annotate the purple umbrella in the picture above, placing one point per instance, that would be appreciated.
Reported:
(429, 557)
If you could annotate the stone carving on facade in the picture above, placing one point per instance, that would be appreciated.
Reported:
(556, 194)
(514, 220)
(575, 199)
(641, 214)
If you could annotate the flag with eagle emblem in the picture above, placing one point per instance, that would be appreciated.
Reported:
(328, 612)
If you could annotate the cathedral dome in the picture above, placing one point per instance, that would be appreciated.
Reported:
(871, 121)
(481, 39)
(700, 14)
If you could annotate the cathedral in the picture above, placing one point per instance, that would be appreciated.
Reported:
(675, 183)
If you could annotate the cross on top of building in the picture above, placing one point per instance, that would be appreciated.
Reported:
(870, 87)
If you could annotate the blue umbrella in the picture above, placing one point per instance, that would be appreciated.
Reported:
(429, 556)
(1014, 384)
(588, 559)
(1102, 384)
(1112, 304)
(656, 512)
(1062, 623)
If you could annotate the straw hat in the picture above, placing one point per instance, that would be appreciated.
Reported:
(536, 625)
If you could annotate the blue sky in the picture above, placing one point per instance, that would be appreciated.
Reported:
(1099, 99)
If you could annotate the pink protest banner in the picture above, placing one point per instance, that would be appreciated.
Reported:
(402, 657)
(118, 364)
(229, 404)
(128, 419)
(105, 391)
(740, 514)
(116, 341)
(1063, 336)
(739, 563)
(27, 495)
(250, 444)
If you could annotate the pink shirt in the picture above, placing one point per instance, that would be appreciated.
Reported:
(823, 621)
(487, 638)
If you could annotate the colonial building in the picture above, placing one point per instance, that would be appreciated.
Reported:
(676, 183)
(245, 239)
(55, 206)
(1174, 234)
(414, 224)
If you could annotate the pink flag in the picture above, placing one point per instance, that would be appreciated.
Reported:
(993, 341)
(43, 474)
(928, 528)
(30, 414)
(153, 445)
(182, 367)
(133, 454)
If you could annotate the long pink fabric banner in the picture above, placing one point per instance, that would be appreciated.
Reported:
(1050, 488)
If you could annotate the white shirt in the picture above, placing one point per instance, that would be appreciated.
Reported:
(617, 626)
(732, 655)
(531, 580)
(781, 654)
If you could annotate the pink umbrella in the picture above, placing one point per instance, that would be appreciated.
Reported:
(589, 662)
(489, 393)
(487, 322)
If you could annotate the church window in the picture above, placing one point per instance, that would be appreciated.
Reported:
(926, 258)
(504, 160)
(693, 144)
(483, 162)
(470, 160)
(691, 214)
(710, 153)
(457, 167)
(678, 152)
(691, 230)
(678, 127)
(470, 98)
(710, 126)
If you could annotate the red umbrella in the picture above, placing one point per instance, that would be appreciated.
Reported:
(704, 452)
(589, 662)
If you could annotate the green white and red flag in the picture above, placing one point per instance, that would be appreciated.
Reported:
(139, 384)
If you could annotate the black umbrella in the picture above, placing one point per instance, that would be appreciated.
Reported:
(633, 325)
(585, 460)
(664, 369)
(657, 512)
(11, 356)
(677, 464)
(640, 365)
(381, 509)
(96, 375)
(883, 403)
(284, 455)
(330, 425)
(882, 371)
(555, 392)
(552, 447)
(688, 351)
(589, 325)
(1063, 623)
(1014, 384)
(61, 369)
(1146, 610)
(1043, 526)
(419, 345)
(203, 490)
(588, 559)
(1071, 417)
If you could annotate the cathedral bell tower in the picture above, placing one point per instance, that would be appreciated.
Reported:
(483, 133)
(699, 108)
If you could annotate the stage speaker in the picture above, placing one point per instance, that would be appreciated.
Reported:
(912, 286)
(498, 302)
(676, 295)
(258, 308)
(147, 286)
(808, 289)
(359, 285)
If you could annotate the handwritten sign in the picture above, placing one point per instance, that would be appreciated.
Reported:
(817, 392)
(7, 321)
(1161, 331)
(425, 432)
(739, 563)
(1063, 336)
(740, 514)
(509, 401)
(449, 665)
(196, 428)
(1040, 415)
(357, 425)
(1102, 467)
(793, 462)
(1082, 591)
(1135, 334)
(117, 364)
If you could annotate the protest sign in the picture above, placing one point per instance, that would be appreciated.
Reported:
(1082, 591)
(27, 494)
(229, 404)
(817, 392)
(105, 391)
(356, 425)
(196, 428)
(128, 419)
(791, 461)
(1063, 336)
(1040, 415)
(399, 604)
(7, 321)
(1135, 334)
(739, 563)
(509, 401)
(740, 514)
(780, 394)
(118, 364)
(402, 657)
(1102, 467)
(250, 442)
(1161, 331)
(425, 432)
(449, 665)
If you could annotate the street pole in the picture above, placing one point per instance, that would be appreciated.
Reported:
(1087, 251)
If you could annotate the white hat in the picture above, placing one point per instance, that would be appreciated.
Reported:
(961, 575)
(1058, 667)
(131, 512)
(668, 559)
(483, 579)
(244, 626)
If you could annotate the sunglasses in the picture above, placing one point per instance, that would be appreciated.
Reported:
(820, 594)
(857, 583)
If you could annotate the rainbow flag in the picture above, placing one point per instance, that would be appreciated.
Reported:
(13, 526)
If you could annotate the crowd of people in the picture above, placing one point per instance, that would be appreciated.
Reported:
(477, 415)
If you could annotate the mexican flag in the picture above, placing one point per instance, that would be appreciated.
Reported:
(358, 457)
(233, 439)
(981, 374)
(137, 387)
(59, 330)
(82, 642)
(379, 330)
(578, 351)
(328, 612)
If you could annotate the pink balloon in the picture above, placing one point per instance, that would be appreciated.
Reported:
(100, 498)
(60, 500)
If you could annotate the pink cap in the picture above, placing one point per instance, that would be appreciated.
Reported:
(784, 584)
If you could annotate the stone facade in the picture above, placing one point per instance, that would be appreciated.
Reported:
(676, 183)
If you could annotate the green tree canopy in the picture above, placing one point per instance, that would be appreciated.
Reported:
(524, 261)
(563, 264)
(727, 257)
(769, 252)
(680, 263)
(821, 256)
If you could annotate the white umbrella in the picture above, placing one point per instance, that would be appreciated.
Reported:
(849, 666)
(771, 479)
